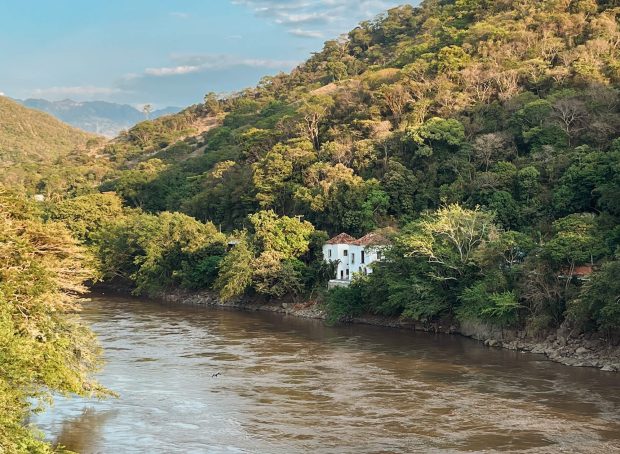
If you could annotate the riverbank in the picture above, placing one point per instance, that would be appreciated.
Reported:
(578, 351)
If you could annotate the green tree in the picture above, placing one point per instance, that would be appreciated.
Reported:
(395, 98)
(313, 110)
(43, 347)
(528, 183)
(118, 245)
(356, 206)
(336, 70)
(449, 238)
(436, 133)
(157, 252)
(598, 304)
(287, 236)
(236, 270)
(344, 303)
(176, 240)
(86, 215)
(276, 276)
(147, 109)
(401, 186)
(576, 241)
(497, 308)
(132, 185)
(270, 178)
(211, 103)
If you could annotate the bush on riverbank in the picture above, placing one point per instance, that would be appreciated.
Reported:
(43, 348)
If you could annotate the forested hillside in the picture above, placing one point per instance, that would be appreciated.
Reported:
(446, 103)
(27, 134)
(39, 153)
(481, 136)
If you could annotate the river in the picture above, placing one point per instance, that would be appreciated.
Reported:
(289, 385)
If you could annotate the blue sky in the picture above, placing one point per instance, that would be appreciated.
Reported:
(163, 52)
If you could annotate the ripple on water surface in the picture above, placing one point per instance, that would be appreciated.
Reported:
(288, 385)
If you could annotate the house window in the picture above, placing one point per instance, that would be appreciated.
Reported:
(378, 255)
(341, 274)
(347, 273)
(329, 253)
(345, 252)
(352, 257)
(363, 257)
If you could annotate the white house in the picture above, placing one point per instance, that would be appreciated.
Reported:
(353, 255)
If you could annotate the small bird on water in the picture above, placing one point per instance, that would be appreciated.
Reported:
(215, 375)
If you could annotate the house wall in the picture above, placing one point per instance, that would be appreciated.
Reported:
(355, 253)
(370, 256)
(338, 254)
(352, 261)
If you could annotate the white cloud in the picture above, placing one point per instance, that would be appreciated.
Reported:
(130, 76)
(83, 90)
(304, 18)
(267, 63)
(305, 33)
(198, 63)
(170, 71)
(2, 93)
(179, 15)
(331, 17)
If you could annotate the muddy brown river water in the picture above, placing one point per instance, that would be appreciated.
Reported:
(290, 385)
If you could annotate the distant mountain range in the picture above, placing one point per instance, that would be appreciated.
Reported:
(100, 117)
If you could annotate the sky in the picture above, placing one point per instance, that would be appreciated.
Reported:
(162, 52)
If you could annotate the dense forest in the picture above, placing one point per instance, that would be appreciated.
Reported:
(482, 137)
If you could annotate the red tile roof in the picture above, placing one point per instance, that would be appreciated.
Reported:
(372, 239)
(343, 238)
(579, 270)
